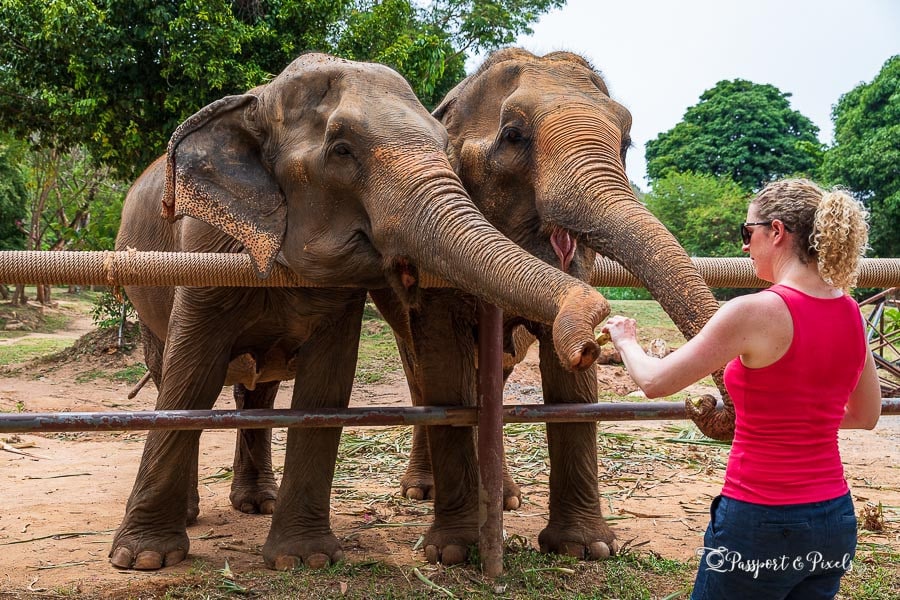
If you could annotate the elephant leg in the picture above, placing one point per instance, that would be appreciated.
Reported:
(153, 358)
(417, 482)
(153, 532)
(512, 494)
(253, 489)
(301, 527)
(442, 328)
(576, 526)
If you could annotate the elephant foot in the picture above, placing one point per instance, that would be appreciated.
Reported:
(449, 546)
(254, 498)
(512, 495)
(148, 549)
(193, 507)
(419, 485)
(284, 553)
(582, 542)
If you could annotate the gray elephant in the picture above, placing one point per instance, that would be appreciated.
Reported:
(335, 170)
(540, 146)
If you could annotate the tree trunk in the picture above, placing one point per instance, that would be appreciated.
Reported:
(19, 298)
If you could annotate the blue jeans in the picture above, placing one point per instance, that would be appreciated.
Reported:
(790, 552)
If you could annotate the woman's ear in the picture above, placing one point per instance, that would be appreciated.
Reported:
(215, 173)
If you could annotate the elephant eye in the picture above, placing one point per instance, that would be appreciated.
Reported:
(512, 135)
(341, 149)
(626, 144)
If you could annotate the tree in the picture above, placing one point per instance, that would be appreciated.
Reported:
(702, 211)
(741, 129)
(13, 195)
(118, 77)
(866, 153)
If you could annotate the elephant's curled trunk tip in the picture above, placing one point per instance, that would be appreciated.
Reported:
(573, 330)
(712, 422)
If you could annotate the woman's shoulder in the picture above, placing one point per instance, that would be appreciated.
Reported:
(764, 300)
(759, 311)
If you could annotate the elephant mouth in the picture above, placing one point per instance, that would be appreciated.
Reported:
(564, 245)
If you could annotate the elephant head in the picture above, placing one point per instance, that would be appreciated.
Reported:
(336, 170)
(540, 146)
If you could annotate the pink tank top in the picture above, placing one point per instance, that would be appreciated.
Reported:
(785, 448)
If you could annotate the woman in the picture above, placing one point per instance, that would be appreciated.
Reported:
(797, 369)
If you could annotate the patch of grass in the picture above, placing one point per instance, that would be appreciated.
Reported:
(31, 348)
(528, 575)
(11, 335)
(378, 355)
(130, 374)
(875, 575)
(92, 375)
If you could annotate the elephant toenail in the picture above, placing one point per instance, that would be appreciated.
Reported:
(148, 560)
(614, 547)
(174, 557)
(415, 493)
(287, 563)
(599, 551)
(317, 561)
(121, 557)
(431, 554)
(572, 549)
(511, 503)
(267, 507)
(453, 555)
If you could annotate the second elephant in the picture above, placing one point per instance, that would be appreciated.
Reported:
(540, 146)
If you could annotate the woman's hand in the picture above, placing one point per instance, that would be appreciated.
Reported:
(621, 329)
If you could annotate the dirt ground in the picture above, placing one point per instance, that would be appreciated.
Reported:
(63, 495)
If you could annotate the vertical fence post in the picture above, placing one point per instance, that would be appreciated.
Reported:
(490, 438)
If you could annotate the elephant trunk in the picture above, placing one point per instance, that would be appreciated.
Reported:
(450, 238)
(587, 192)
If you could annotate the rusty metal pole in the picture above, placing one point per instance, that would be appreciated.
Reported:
(490, 438)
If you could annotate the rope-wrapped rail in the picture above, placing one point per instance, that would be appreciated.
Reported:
(236, 270)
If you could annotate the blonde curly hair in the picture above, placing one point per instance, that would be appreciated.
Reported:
(830, 226)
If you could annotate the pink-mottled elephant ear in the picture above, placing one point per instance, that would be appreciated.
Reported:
(215, 173)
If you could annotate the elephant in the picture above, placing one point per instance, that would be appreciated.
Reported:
(336, 171)
(540, 146)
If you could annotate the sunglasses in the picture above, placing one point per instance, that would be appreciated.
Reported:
(746, 233)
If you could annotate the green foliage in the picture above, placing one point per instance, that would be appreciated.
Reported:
(866, 153)
(110, 309)
(13, 196)
(394, 33)
(891, 320)
(625, 293)
(704, 212)
(118, 77)
(72, 204)
(740, 129)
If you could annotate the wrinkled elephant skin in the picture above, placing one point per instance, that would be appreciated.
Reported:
(540, 146)
(333, 169)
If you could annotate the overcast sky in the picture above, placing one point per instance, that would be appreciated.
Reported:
(658, 56)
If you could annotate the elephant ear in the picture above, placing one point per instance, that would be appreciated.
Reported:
(215, 173)
(445, 114)
(441, 112)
